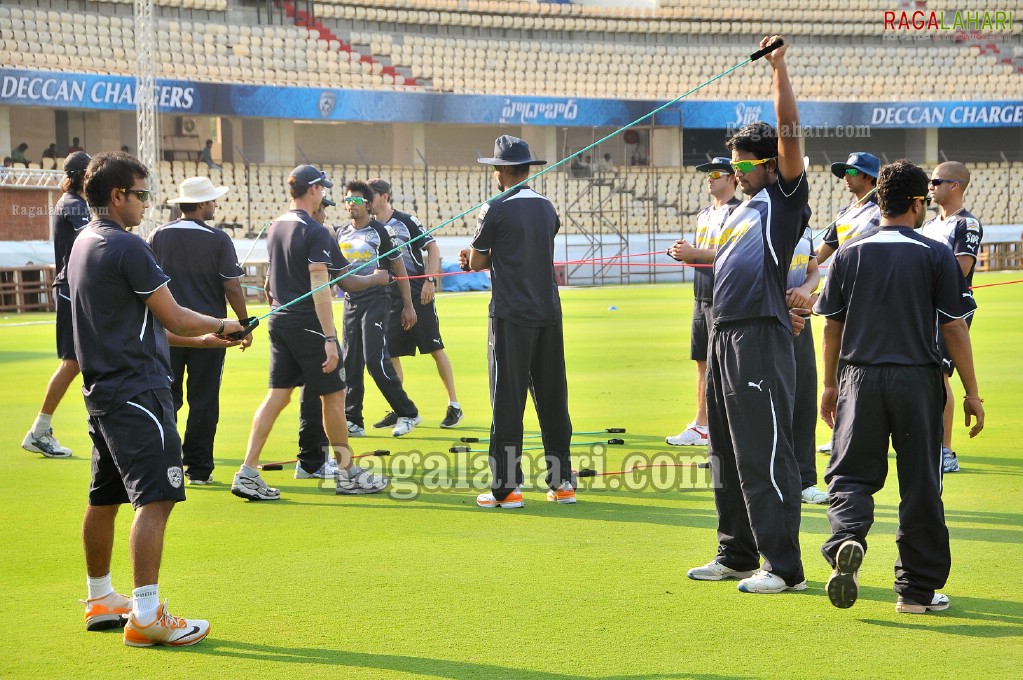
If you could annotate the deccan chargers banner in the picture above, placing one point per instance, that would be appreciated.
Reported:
(118, 93)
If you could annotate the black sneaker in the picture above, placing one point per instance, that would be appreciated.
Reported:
(390, 420)
(453, 417)
(843, 586)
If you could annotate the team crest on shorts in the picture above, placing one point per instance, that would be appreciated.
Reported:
(174, 476)
(328, 100)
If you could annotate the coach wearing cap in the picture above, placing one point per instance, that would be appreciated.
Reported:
(862, 215)
(515, 240)
(203, 267)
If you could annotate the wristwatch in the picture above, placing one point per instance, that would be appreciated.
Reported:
(431, 279)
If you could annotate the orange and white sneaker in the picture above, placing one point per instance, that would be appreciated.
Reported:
(512, 500)
(165, 630)
(563, 494)
(110, 611)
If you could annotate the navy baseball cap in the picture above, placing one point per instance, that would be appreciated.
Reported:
(307, 175)
(717, 163)
(76, 162)
(510, 150)
(867, 163)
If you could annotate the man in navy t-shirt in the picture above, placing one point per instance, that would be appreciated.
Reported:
(750, 367)
(203, 267)
(70, 216)
(883, 385)
(120, 308)
(407, 230)
(303, 339)
(515, 240)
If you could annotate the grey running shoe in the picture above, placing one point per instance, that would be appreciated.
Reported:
(355, 430)
(45, 444)
(253, 488)
(949, 462)
(355, 480)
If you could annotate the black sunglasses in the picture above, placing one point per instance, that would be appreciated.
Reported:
(938, 182)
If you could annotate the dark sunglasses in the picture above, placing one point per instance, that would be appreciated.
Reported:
(143, 194)
(938, 182)
(926, 199)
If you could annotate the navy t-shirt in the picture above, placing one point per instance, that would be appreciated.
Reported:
(198, 258)
(960, 231)
(518, 231)
(121, 347)
(70, 215)
(404, 228)
(360, 246)
(293, 242)
(891, 288)
(757, 241)
(708, 235)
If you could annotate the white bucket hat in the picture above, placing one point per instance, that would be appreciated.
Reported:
(198, 190)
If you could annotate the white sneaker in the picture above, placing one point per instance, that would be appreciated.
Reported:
(512, 500)
(939, 603)
(405, 425)
(825, 448)
(325, 471)
(715, 571)
(766, 582)
(814, 496)
(949, 461)
(355, 480)
(253, 488)
(693, 435)
(355, 430)
(45, 444)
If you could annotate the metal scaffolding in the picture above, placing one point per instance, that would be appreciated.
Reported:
(146, 114)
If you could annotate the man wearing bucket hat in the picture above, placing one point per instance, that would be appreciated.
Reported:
(70, 216)
(721, 186)
(860, 173)
(515, 240)
(203, 267)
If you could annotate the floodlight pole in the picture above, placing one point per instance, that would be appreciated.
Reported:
(147, 117)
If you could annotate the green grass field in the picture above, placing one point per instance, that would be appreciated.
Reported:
(318, 585)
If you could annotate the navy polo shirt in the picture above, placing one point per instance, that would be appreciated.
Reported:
(752, 264)
(70, 216)
(198, 258)
(853, 220)
(405, 228)
(960, 231)
(367, 244)
(891, 288)
(121, 347)
(518, 231)
(293, 242)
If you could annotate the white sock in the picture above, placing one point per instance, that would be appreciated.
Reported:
(99, 586)
(43, 424)
(145, 601)
(454, 404)
(249, 472)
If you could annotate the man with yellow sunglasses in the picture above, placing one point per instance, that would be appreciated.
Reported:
(751, 367)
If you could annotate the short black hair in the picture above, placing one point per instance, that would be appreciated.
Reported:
(519, 170)
(108, 171)
(759, 139)
(188, 207)
(359, 187)
(73, 183)
(896, 183)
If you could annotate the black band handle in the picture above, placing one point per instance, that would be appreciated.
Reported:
(250, 324)
(615, 430)
(766, 50)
